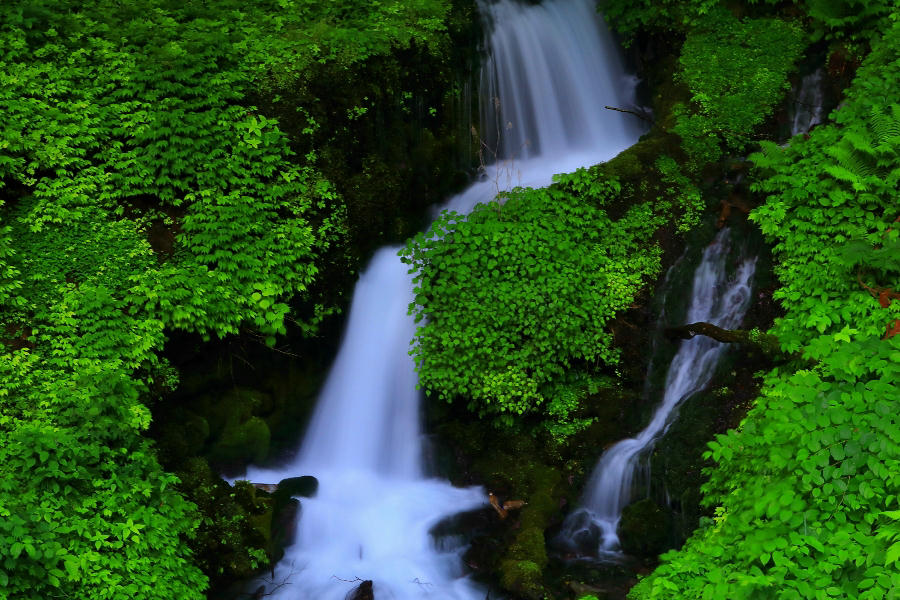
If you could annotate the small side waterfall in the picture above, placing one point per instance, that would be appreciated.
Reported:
(808, 105)
(375, 505)
(715, 298)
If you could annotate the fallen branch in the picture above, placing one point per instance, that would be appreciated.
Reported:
(765, 343)
(639, 115)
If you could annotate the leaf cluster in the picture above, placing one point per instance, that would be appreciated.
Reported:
(737, 72)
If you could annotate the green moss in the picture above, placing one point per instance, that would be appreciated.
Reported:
(529, 545)
(645, 528)
(522, 577)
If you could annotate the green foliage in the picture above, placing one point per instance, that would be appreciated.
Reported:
(831, 206)
(801, 488)
(688, 202)
(521, 290)
(854, 19)
(628, 17)
(806, 489)
(142, 194)
(737, 71)
(87, 512)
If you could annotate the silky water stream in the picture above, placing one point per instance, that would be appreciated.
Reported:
(550, 69)
(718, 296)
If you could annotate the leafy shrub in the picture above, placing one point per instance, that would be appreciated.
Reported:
(737, 71)
(520, 290)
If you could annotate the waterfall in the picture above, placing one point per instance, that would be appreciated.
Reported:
(550, 71)
(715, 298)
(376, 505)
(807, 107)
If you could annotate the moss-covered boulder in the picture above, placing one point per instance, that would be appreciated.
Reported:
(241, 442)
(645, 528)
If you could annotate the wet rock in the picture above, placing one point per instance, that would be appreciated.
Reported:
(305, 486)
(466, 524)
(284, 525)
(362, 592)
(259, 593)
(581, 536)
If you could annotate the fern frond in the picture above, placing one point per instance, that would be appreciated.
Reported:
(885, 126)
(843, 174)
(861, 141)
(850, 159)
(770, 154)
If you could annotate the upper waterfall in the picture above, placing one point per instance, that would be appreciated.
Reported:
(550, 70)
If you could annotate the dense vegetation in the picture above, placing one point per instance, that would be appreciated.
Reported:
(180, 168)
(805, 490)
(142, 195)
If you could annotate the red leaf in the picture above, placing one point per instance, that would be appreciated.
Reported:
(884, 298)
(892, 331)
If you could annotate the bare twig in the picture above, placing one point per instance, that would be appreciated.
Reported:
(354, 580)
(285, 581)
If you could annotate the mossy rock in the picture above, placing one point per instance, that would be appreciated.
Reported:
(645, 528)
(241, 443)
(231, 407)
(183, 436)
(529, 546)
(522, 577)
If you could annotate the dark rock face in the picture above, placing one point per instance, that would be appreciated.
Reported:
(645, 528)
(286, 509)
(584, 542)
(284, 525)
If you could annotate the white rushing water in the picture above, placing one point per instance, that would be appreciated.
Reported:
(371, 517)
(807, 108)
(715, 298)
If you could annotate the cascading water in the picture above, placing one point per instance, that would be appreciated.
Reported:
(808, 105)
(550, 71)
(716, 299)
(375, 506)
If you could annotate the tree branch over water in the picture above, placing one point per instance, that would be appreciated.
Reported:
(765, 343)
